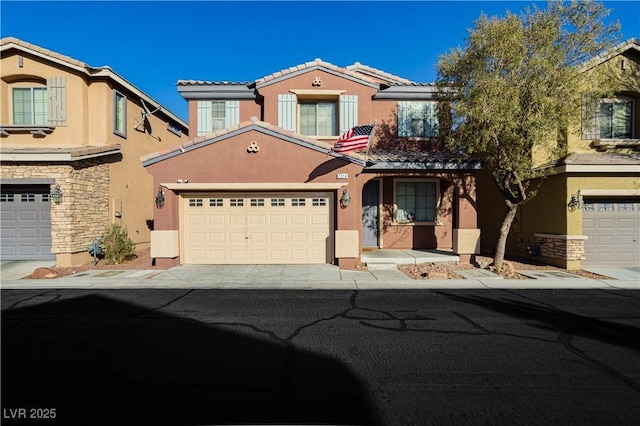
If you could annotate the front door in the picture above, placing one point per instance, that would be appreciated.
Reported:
(370, 213)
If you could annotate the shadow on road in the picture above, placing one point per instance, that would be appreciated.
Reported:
(560, 321)
(101, 361)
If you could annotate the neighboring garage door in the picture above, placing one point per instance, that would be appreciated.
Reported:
(256, 228)
(613, 231)
(25, 224)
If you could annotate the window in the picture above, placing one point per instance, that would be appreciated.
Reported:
(418, 119)
(416, 201)
(297, 202)
(216, 115)
(28, 198)
(257, 202)
(236, 202)
(6, 198)
(319, 202)
(30, 106)
(615, 119)
(317, 113)
(611, 119)
(195, 202)
(277, 202)
(119, 114)
(318, 118)
(215, 202)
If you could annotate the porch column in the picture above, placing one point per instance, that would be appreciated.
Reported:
(466, 235)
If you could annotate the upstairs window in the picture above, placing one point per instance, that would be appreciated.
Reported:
(610, 119)
(318, 118)
(418, 119)
(217, 115)
(615, 119)
(119, 114)
(30, 106)
(318, 113)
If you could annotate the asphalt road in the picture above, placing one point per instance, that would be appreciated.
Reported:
(179, 357)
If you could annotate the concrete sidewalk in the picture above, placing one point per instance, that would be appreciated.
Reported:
(293, 277)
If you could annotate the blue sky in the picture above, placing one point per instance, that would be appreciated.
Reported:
(153, 44)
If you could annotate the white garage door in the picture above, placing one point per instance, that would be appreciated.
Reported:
(613, 231)
(256, 228)
(25, 224)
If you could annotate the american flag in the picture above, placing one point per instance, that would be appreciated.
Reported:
(356, 138)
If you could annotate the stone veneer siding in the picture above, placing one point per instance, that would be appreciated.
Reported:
(565, 247)
(83, 213)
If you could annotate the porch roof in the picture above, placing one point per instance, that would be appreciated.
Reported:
(419, 160)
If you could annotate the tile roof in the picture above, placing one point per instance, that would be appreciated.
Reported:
(420, 160)
(601, 158)
(632, 43)
(357, 70)
(6, 41)
(389, 78)
(212, 83)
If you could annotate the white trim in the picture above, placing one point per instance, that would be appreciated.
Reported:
(562, 237)
(609, 192)
(267, 186)
(317, 93)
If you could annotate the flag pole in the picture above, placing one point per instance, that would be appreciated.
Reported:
(366, 155)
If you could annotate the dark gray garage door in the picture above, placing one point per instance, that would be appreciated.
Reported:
(25, 222)
(613, 231)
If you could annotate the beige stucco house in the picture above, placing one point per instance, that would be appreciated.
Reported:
(71, 140)
(259, 183)
(587, 211)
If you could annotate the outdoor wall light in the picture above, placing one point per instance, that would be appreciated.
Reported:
(160, 198)
(56, 194)
(345, 200)
(575, 202)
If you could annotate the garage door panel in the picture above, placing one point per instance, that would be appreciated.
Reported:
(216, 219)
(237, 219)
(299, 219)
(28, 216)
(258, 228)
(278, 237)
(216, 237)
(277, 219)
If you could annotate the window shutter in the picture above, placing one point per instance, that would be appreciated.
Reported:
(231, 113)
(204, 117)
(57, 94)
(404, 118)
(348, 112)
(287, 112)
(431, 115)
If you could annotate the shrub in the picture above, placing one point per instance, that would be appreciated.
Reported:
(116, 244)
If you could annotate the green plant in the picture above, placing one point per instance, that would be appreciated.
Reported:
(116, 244)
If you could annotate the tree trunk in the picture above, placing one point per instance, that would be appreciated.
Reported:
(498, 258)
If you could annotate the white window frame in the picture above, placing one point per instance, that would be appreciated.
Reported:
(416, 112)
(119, 115)
(32, 105)
(396, 210)
(334, 117)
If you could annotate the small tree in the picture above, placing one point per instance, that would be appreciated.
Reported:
(116, 244)
(516, 85)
